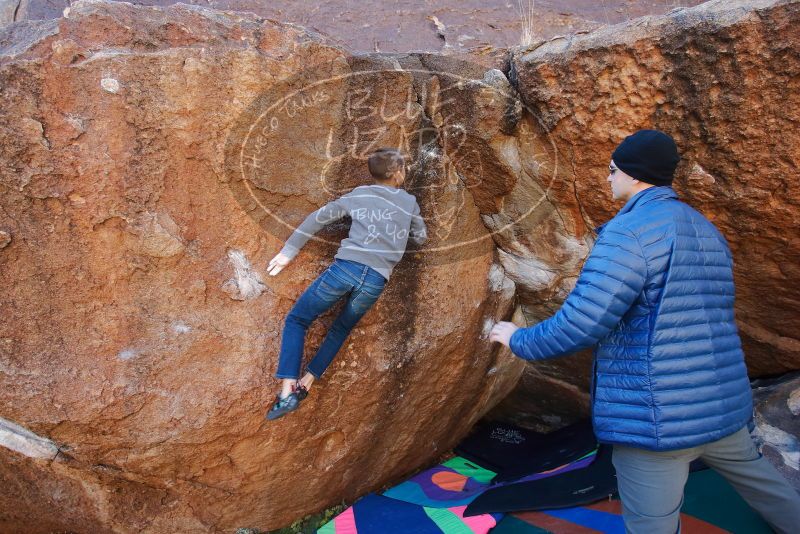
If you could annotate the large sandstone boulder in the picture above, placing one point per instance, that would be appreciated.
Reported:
(724, 79)
(153, 161)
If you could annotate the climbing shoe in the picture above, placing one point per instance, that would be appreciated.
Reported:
(284, 406)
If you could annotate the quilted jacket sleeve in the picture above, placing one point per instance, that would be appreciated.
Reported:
(612, 278)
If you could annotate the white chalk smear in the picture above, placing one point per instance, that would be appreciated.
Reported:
(109, 84)
(23, 441)
(246, 283)
(127, 354)
(793, 402)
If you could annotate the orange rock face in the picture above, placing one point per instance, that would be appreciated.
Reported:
(145, 187)
(722, 79)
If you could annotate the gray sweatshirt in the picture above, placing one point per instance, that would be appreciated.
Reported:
(384, 220)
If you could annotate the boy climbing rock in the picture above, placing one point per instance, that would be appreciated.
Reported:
(384, 218)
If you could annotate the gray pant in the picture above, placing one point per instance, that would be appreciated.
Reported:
(651, 484)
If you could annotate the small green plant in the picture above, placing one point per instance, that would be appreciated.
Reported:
(306, 525)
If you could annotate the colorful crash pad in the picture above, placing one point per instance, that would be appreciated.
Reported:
(583, 481)
(454, 483)
(711, 506)
(376, 514)
(496, 445)
(515, 452)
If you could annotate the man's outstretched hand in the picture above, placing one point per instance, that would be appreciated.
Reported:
(277, 264)
(502, 332)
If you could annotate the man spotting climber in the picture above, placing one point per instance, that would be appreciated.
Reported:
(669, 383)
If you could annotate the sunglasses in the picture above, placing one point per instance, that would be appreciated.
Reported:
(612, 169)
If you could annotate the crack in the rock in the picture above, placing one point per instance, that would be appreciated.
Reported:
(586, 219)
(511, 74)
(16, 11)
(229, 493)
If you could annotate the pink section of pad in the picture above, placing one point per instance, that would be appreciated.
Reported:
(345, 522)
(479, 524)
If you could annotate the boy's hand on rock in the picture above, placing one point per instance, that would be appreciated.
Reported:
(277, 264)
(502, 332)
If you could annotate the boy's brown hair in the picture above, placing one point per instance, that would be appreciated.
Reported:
(384, 162)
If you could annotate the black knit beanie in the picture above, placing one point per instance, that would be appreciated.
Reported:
(649, 156)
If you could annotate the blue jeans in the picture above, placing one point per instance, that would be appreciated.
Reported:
(361, 284)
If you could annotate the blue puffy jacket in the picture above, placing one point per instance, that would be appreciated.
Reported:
(656, 298)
